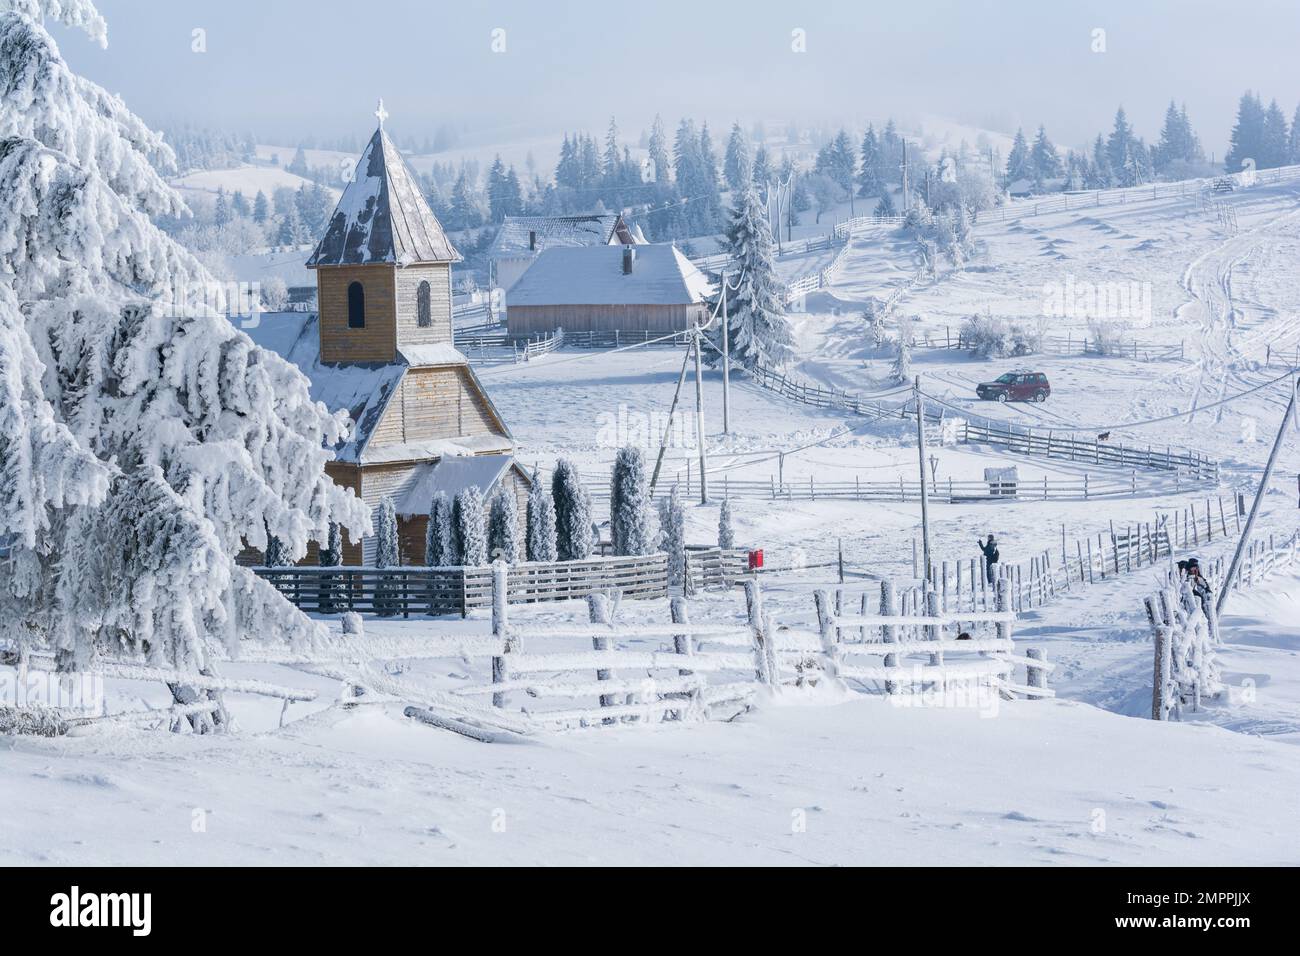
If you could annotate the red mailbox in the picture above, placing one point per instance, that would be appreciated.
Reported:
(755, 559)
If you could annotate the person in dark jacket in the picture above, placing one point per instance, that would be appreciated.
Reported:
(990, 549)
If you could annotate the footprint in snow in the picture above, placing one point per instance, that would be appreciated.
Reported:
(1020, 817)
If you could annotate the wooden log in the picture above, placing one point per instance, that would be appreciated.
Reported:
(888, 632)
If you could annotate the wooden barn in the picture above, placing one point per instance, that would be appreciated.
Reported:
(521, 239)
(646, 288)
(380, 348)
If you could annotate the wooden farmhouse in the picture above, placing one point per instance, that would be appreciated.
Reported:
(521, 239)
(634, 288)
(380, 348)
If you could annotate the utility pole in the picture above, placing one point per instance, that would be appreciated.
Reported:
(925, 495)
(699, 421)
(668, 427)
(1226, 584)
(726, 361)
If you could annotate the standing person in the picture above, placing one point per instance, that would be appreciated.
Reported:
(990, 549)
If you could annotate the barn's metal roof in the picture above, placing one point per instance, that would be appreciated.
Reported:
(548, 232)
(660, 275)
(382, 216)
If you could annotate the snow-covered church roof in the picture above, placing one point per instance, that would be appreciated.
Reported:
(529, 235)
(383, 216)
(364, 390)
(594, 275)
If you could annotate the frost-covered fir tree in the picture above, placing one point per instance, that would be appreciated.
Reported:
(503, 526)
(439, 541)
(726, 536)
(885, 209)
(902, 370)
(386, 550)
(572, 513)
(331, 556)
(540, 519)
(672, 536)
(629, 503)
(468, 527)
(144, 441)
(276, 555)
(760, 333)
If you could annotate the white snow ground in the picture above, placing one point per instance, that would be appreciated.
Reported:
(1083, 779)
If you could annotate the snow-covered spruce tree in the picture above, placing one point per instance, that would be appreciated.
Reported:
(902, 370)
(276, 555)
(469, 530)
(331, 556)
(143, 440)
(572, 513)
(386, 550)
(760, 333)
(503, 526)
(726, 536)
(439, 547)
(540, 518)
(629, 503)
(386, 556)
(672, 536)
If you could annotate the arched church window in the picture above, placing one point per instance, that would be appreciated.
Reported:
(356, 306)
(424, 305)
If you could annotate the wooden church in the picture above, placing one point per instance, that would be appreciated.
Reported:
(381, 348)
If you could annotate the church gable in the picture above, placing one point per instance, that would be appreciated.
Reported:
(441, 410)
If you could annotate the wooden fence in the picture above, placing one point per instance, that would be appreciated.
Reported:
(416, 590)
(1095, 451)
(1067, 345)
(956, 658)
(1022, 208)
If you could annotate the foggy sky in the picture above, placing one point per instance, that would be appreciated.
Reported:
(291, 68)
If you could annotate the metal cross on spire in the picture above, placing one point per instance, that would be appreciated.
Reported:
(381, 113)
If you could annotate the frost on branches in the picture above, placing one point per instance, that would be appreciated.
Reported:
(143, 440)
(629, 504)
(760, 333)
(572, 513)
(503, 526)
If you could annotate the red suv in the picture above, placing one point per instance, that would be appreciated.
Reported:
(1016, 387)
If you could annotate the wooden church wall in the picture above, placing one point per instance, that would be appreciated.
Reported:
(408, 280)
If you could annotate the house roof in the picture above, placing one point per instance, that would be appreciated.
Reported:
(451, 474)
(512, 239)
(383, 216)
(364, 390)
(660, 275)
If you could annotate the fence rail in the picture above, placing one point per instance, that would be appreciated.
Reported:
(413, 590)
(1069, 345)
(1020, 208)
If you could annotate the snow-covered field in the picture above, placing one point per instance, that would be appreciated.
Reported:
(816, 779)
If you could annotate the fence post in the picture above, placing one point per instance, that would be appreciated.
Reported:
(1035, 676)
(598, 610)
(826, 630)
(932, 631)
(500, 624)
(888, 632)
(765, 665)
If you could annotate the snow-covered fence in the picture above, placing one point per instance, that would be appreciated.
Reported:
(633, 673)
(539, 346)
(875, 647)
(709, 568)
(1022, 208)
(1095, 451)
(1067, 345)
(198, 698)
(1185, 631)
(860, 223)
(614, 339)
(411, 590)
